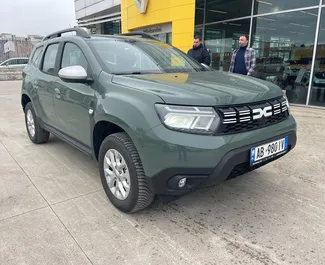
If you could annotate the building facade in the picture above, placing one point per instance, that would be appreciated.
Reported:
(288, 36)
(99, 16)
(13, 46)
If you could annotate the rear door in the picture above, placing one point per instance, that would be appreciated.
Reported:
(74, 101)
(44, 85)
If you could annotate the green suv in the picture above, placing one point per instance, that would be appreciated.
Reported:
(157, 122)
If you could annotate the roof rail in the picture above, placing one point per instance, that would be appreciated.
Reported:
(142, 34)
(79, 31)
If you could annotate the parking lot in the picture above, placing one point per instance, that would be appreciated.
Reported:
(53, 209)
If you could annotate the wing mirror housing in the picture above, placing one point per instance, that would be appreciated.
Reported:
(74, 74)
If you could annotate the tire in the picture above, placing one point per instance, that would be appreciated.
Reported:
(139, 195)
(40, 135)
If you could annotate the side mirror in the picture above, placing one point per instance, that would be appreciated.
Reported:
(75, 73)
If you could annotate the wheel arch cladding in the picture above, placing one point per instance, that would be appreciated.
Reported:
(24, 100)
(135, 116)
(102, 129)
(107, 125)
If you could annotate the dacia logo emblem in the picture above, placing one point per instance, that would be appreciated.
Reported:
(142, 5)
(259, 113)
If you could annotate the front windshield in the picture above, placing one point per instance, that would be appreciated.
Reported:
(124, 56)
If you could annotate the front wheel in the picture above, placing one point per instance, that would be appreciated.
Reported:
(122, 174)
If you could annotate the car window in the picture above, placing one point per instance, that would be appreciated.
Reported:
(72, 55)
(37, 56)
(49, 58)
(22, 61)
(132, 56)
(12, 62)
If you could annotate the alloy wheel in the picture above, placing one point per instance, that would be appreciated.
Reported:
(117, 174)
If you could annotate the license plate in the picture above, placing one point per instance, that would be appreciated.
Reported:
(268, 151)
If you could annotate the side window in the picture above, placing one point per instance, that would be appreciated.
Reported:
(72, 55)
(12, 62)
(37, 56)
(49, 58)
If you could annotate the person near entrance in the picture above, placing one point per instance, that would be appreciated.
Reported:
(199, 52)
(243, 59)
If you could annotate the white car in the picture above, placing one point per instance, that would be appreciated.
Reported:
(17, 62)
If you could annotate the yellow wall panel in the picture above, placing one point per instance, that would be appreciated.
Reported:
(183, 26)
(180, 13)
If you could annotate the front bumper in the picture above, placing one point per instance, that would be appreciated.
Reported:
(234, 163)
(168, 156)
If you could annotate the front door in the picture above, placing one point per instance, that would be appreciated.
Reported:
(74, 101)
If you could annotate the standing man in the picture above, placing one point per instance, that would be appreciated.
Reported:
(243, 59)
(199, 52)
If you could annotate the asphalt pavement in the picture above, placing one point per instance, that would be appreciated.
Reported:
(53, 209)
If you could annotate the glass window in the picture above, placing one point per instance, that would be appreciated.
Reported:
(284, 48)
(221, 39)
(142, 57)
(49, 58)
(218, 10)
(72, 55)
(13, 62)
(317, 96)
(170, 38)
(197, 31)
(269, 6)
(199, 12)
(112, 27)
(36, 56)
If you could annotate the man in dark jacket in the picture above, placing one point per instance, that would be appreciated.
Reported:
(199, 52)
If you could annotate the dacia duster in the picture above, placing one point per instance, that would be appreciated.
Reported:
(157, 122)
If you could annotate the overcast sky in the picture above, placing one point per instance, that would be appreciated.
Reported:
(36, 17)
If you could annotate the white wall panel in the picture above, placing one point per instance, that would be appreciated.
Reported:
(89, 7)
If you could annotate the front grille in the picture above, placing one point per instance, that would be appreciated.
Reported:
(243, 118)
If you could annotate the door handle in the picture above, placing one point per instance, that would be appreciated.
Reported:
(57, 93)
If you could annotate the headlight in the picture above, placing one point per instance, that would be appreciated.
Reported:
(200, 120)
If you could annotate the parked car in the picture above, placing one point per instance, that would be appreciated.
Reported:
(157, 122)
(17, 62)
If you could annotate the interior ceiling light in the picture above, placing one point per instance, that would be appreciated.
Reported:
(309, 13)
(264, 2)
(218, 11)
(269, 19)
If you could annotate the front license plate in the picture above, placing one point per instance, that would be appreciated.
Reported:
(268, 151)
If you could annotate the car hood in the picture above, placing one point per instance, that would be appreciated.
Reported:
(202, 88)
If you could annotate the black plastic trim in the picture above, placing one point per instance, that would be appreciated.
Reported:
(81, 147)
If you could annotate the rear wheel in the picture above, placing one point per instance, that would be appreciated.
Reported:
(122, 174)
(35, 132)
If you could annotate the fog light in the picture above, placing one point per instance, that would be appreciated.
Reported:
(182, 182)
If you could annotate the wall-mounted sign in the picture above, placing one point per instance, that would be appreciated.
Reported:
(156, 29)
(141, 5)
(9, 46)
